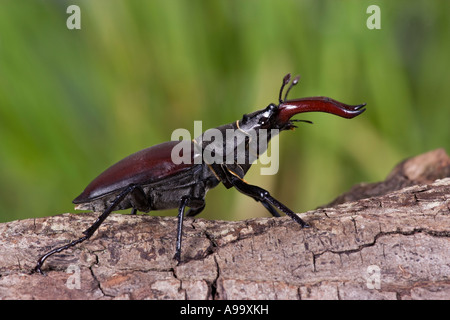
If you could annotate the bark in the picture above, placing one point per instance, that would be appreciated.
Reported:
(391, 243)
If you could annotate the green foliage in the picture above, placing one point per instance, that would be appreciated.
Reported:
(73, 102)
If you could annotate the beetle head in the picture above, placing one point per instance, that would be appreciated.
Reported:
(279, 116)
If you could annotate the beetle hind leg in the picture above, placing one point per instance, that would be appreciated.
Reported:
(89, 231)
(139, 201)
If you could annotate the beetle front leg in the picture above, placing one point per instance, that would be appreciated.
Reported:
(269, 208)
(264, 197)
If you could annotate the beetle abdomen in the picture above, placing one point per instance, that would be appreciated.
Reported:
(143, 167)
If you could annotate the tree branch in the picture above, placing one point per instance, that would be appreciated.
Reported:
(388, 245)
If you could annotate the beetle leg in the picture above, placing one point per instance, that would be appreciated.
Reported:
(139, 200)
(197, 205)
(263, 196)
(183, 203)
(89, 231)
(195, 211)
(270, 208)
(133, 211)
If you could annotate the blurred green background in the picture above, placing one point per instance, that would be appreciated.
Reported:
(73, 102)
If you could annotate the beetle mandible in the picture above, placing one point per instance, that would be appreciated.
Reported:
(150, 180)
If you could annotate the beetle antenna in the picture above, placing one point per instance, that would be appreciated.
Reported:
(294, 82)
(286, 80)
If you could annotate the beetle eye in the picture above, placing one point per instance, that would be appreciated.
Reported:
(244, 118)
(263, 120)
(271, 107)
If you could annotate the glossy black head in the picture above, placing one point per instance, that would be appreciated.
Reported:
(279, 116)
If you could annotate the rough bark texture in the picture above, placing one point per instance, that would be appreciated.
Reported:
(385, 245)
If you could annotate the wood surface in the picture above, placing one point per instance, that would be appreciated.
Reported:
(389, 240)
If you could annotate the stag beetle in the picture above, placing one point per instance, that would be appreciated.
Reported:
(150, 180)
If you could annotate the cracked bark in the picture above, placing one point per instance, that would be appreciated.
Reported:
(389, 240)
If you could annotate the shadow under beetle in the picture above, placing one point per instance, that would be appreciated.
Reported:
(150, 180)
